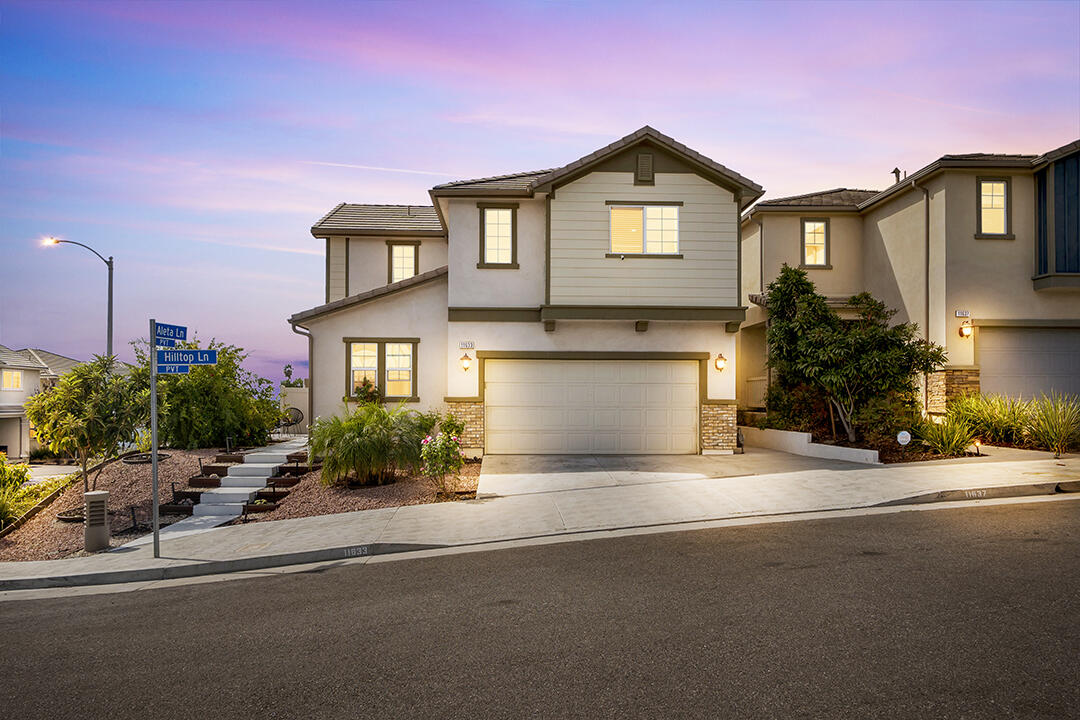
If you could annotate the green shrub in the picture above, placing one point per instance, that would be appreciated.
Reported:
(882, 418)
(949, 437)
(373, 443)
(1054, 423)
(452, 426)
(42, 452)
(16, 497)
(994, 419)
(443, 459)
(12, 473)
(801, 408)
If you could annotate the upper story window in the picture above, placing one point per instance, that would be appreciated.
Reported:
(645, 230)
(11, 379)
(498, 235)
(404, 260)
(815, 242)
(993, 205)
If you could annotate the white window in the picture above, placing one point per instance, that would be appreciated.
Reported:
(363, 365)
(993, 207)
(645, 229)
(399, 370)
(815, 238)
(402, 262)
(498, 236)
(12, 380)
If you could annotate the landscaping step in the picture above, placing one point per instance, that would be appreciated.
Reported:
(229, 495)
(242, 481)
(264, 470)
(266, 458)
(219, 509)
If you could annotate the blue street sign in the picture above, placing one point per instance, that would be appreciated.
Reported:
(187, 357)
(171, 332)
(167, 343)
(173, 369)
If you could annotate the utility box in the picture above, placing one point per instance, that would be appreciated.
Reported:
(96, 520)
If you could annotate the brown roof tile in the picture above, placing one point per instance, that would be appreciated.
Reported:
(837, 197)
(374, 219)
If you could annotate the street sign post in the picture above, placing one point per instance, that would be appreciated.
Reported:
(167, 361)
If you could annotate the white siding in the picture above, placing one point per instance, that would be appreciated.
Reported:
(706, 275)
(335, 282)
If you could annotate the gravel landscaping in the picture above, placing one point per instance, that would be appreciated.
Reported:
(44, 537)
(308, 498)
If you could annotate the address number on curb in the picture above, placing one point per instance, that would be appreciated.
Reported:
(358, 551)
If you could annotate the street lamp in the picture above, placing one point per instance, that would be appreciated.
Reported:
(108, 263)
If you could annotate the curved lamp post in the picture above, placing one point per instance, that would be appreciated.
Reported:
(109, 263)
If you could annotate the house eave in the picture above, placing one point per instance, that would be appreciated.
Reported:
(345, 303)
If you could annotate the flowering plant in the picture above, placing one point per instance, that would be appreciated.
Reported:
(442, 458)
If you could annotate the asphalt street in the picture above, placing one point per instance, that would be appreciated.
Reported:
(958, 613)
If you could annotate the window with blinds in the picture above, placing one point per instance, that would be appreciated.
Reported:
(645, 229)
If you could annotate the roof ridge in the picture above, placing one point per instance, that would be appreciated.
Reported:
(817, 193)
(393, 205)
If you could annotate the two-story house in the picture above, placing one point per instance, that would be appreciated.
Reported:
(20, 377)
(982, 251)
(590, 308)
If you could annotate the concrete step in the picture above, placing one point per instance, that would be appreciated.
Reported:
(243, 481)
(253, 470)
(226, 495)
(233, 509)
(272, 458)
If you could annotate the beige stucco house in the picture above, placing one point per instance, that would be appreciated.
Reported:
(20, 377)
(982, 251)
(590, 308)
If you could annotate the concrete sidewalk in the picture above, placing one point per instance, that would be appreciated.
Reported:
(372, 532)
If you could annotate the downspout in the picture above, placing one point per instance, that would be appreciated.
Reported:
(311, 372)
(926, 287)
(761, 289)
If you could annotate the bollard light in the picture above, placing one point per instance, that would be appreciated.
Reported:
(96, 520)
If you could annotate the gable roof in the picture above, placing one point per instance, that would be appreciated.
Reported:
(19, 359)
(835, 198)
(56, 364)
(1049, 157)
(517, 183)
(582, 164)
(353, 219)
(364, 297)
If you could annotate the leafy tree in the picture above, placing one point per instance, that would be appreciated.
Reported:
(850, 361)
(212, 402)
(93, 411)
(287, 371)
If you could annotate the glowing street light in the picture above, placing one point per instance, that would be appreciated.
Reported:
(50, 240)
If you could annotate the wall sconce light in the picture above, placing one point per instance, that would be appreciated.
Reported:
(466, 362)
(966, 328)
(720, 362)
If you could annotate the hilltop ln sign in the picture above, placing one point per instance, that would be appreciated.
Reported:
(168, 362)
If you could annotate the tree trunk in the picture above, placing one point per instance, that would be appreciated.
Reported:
(85, 480)
(845, 420)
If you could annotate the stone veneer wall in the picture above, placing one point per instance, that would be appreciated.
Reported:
(472, 414)
(948, 384)
(718, 428)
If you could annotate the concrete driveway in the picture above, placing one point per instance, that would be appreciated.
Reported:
(502, 475)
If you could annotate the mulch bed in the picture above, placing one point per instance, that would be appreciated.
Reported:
(44, 537)
(894, 453)
(309, 498)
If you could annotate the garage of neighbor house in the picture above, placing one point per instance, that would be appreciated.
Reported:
(1026, 362)
(591, 406)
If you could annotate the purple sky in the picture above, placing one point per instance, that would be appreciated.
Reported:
(198, 142)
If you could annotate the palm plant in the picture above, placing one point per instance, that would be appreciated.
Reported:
(994, 419)
(949, 437)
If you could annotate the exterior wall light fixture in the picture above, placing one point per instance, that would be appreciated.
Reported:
(466, 362)
(720, 362)
(966, 328)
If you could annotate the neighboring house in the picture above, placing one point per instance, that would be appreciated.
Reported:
(56, 365)
(590, 308)
(982, 251)
(20, 377)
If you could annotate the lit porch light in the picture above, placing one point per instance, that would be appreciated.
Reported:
(466, 362)
(966, 328)
(720, 362)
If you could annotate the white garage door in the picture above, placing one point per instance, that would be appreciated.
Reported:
(1029, 361)
(591, 406)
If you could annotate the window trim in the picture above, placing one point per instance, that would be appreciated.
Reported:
(802, 244)
(390, 258)
(642, 205)
(979, 234)
(14, 374)
(513, 208)
(380, 362)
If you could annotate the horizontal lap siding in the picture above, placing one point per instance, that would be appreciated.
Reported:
(706, 275)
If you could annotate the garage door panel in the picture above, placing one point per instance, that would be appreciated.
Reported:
(1026, 362)
(591, 406)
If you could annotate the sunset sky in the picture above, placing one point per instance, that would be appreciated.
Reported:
(197, 142)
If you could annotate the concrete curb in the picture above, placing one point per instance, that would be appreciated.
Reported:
(351, 552)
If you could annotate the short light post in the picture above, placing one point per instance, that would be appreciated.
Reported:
(108, 264)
